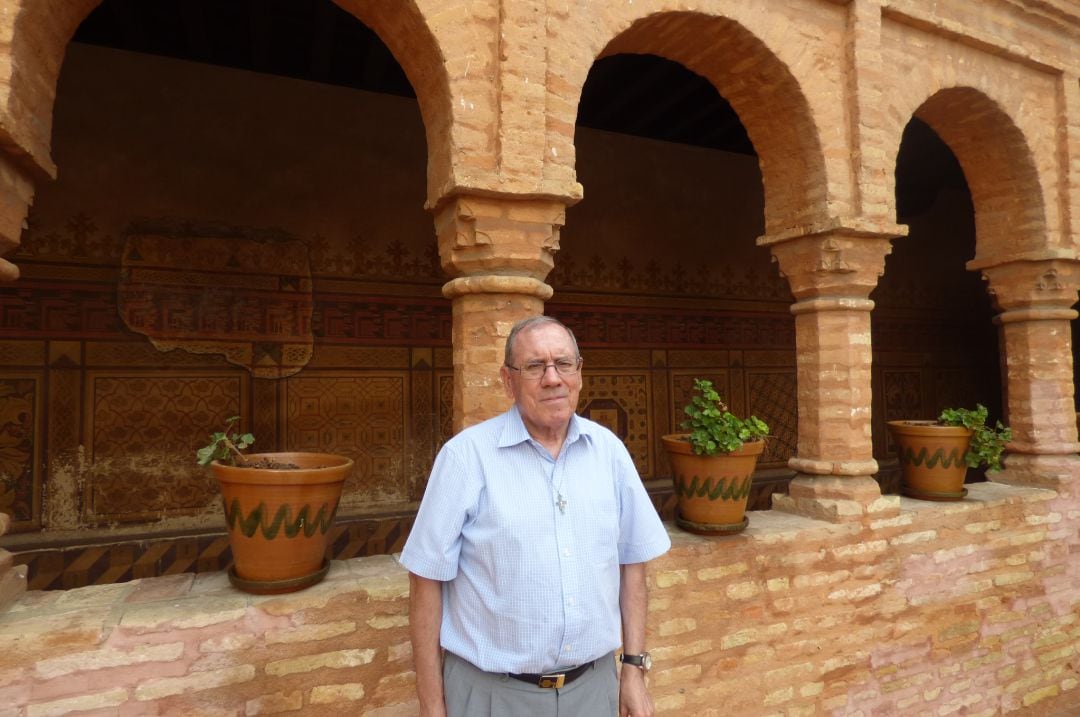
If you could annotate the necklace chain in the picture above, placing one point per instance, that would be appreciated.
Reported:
(560, 500)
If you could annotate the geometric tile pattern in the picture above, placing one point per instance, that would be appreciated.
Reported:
(20, 447)
(902, 399)
(132, 558)
(954, 387)
(661, 327)
(142, 431)
(359, 415)
(620, 402)
(772, 395)
(903, 394)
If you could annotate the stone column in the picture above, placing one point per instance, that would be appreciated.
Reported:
(1036, 299)
(832, 273)
(12, 577)
(499, 251)
(16, 194)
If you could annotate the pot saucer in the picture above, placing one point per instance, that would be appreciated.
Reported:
(932, 495)
(711, 528)
(275, 587)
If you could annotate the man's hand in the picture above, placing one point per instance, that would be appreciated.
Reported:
(634, 700)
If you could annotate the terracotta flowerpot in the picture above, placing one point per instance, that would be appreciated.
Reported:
(279, 519)
(931, 457)
(711, 490)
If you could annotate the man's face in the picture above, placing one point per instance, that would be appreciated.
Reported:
(547, 403)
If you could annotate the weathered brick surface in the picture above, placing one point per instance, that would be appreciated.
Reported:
(963, 608)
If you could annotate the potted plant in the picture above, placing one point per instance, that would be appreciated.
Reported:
(713, 465)
(935, 455)
(278, 510)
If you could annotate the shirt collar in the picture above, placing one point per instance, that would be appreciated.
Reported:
(514, 431)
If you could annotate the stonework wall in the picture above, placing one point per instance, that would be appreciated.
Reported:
(965, 609)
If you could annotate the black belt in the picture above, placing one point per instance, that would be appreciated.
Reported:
(554, 680)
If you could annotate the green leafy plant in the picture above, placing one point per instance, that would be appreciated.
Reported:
(987, 443)
(713, 428)
(225, 446)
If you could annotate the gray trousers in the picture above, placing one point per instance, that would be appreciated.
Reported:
(471, 692)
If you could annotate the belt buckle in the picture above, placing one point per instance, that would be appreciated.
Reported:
(553, 681)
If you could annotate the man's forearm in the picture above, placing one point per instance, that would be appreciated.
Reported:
(634, 700)
(425, 617)
(633, 601)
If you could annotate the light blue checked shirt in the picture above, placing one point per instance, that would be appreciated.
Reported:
(529, 588)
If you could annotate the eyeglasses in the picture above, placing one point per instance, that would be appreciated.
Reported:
(536, 369)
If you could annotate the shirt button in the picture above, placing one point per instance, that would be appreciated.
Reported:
(566, 552)
(567, 648)
(571, 601)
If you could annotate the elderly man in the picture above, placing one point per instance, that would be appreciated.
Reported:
(527, 558)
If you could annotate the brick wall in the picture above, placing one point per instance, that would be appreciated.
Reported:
(968, 608)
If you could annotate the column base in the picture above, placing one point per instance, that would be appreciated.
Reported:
(1056, 472)
(837, 499)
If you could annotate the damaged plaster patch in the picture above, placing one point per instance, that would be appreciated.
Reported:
(219, 290)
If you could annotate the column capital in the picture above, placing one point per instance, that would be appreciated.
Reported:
(499, 235)
(834, 266)
(1031, 289)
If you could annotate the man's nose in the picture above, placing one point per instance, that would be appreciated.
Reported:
(550, 375)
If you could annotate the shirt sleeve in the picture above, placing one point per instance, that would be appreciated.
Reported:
(642, 535)
(434, 544)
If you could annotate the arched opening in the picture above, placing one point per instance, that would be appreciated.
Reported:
(999, 167)
(238, 227)
(762, 91)
(935, 343)
(659, 274)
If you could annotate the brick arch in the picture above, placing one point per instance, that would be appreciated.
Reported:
(998, 164)
(39, 34)
(405, 31)
(41, 30)
(764, 93)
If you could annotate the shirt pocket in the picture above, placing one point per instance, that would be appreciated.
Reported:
(601, 532)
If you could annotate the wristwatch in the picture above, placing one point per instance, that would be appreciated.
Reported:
(642, 661)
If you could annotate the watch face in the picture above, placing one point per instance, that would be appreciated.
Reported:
(644, 660)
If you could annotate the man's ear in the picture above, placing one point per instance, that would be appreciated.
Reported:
(504, 374)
